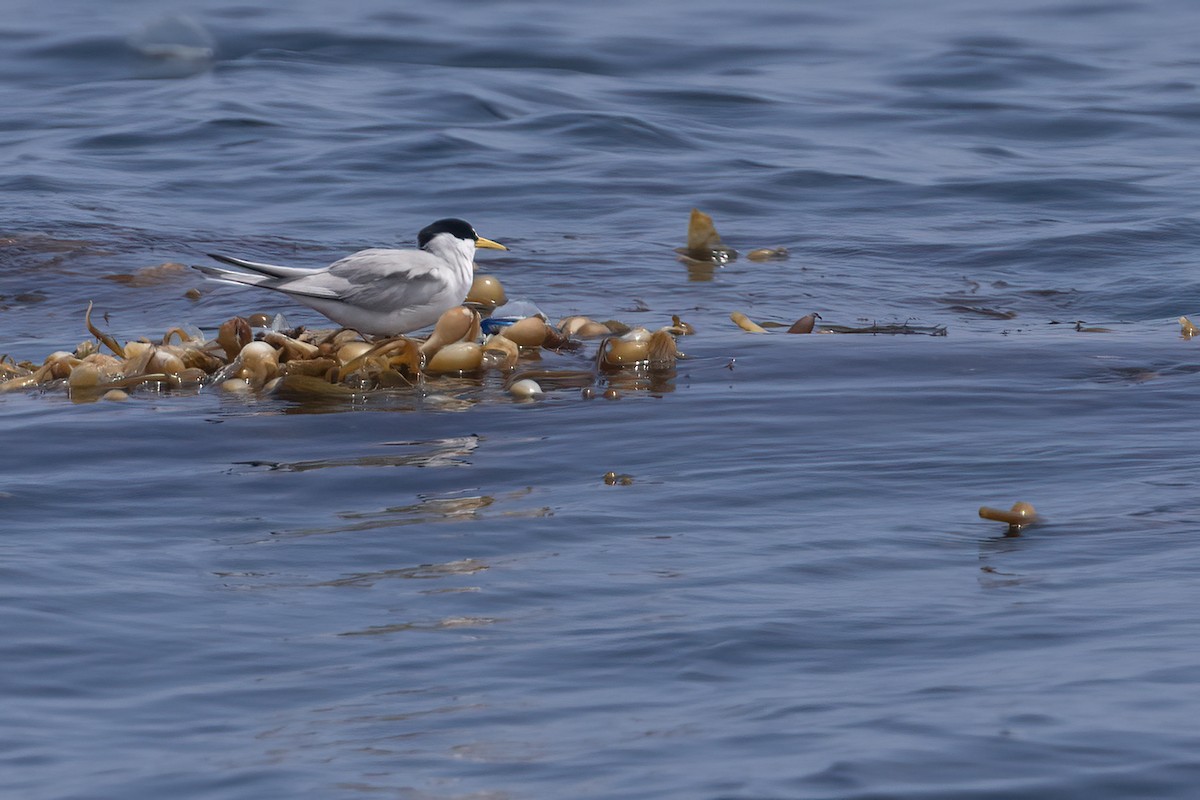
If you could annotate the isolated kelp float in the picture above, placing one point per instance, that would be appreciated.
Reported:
(1021, 515)
(247, 357)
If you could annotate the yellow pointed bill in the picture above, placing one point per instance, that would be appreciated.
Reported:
(488, 244)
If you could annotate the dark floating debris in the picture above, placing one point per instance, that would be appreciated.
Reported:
(900, 329)
(618, 479)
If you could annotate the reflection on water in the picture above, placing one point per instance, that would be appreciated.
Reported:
(451, 452)
(428, 510)
(467, 566)
(450, 623)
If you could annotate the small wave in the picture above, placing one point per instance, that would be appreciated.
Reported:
(1054, 191)
(992, 63)
(602, 130)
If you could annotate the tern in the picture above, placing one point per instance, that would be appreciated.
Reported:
(378, 291)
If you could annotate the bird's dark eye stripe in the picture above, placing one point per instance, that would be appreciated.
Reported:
(455, 227)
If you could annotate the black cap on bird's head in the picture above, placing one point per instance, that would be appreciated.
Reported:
(459, 229)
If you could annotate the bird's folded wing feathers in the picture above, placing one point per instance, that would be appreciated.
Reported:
(290, 286)
(386, 279)
(376, 263)
(377, 278)
(266, 269)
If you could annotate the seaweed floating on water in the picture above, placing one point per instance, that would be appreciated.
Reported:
(704, 243)
(808, 324)
(894, 329)
(1186, 329)
(246, 358)
(1017, 517)
(768, 254)
(805, 324)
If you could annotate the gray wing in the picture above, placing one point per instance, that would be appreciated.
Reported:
(377, 279)
(274, 270)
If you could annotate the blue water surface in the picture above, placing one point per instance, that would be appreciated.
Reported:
(438, 595)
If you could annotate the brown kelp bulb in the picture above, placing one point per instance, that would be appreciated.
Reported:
(115, 395)
(165, 362)
(557, 340)
(259, 362)
(1020, 514)
(1025, 511)
(136, 350)
(1187, 328)
(527, 332)
(678, 326)
(805, 324)
(195, 357)
(454, 325)
(526, 389)
(191, 376)
(58, 355)
(745, 323)
(345, 336)
(259, 353)
(661, 349)
(636, 335)
(60, 364)
(500, 352)
(352, 350)
(591, 329)
(233, 335)
(84, 376)
(456, 357)
(486, 291)
(768, 254)
(624, 352)
(703, 242)
(583, 327)
(569, 325)
(108, 365)
(702, 233)
(260, 320)
(612, 394)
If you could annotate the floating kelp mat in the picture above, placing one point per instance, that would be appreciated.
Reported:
(262, 356)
